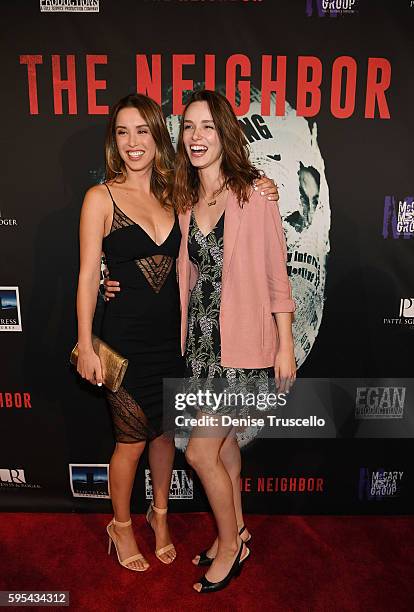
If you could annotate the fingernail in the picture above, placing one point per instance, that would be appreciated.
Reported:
(269, 198)
(99, 384)
(255, 187)
(262, 193)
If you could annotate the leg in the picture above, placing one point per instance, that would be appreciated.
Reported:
(161, 457)
(122, 469)
(203, 453)
(231, 458)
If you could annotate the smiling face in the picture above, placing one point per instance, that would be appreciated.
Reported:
(136, 145)
(200, 137)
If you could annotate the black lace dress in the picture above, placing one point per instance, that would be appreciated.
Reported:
(142, 323)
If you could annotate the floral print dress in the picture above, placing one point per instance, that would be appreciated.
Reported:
(203, 350)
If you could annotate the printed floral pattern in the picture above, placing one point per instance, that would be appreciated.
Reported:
(203, 351)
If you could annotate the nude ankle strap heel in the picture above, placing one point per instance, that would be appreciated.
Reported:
(113, 540)
(164, 549)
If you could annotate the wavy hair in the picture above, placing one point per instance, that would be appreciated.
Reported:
(237, 170)
(163, 167)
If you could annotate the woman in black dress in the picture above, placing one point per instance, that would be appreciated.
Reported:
(131, 219)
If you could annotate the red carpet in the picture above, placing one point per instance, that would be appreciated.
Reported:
(298, 564)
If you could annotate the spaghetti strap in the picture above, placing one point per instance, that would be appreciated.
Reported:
(110, 194)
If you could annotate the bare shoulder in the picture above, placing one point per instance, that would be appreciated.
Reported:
(97, 192)
(97, 197)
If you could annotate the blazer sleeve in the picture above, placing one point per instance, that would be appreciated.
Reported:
(276, 257)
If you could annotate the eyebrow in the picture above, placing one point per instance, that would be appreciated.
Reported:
(204, 121)
(137, 126)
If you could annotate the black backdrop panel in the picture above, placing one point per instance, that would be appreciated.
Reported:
(351, 131)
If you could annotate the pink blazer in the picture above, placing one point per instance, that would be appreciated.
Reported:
(254, 282)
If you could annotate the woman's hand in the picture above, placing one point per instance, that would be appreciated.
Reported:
(89, 366)
(267, 187)
(285, 370)
(111, 288)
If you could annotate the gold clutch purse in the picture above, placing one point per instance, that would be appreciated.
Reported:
(113, 364)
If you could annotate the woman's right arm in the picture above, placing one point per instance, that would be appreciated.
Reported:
(91, 233)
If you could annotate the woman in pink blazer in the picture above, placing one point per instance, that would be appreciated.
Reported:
(236, 302)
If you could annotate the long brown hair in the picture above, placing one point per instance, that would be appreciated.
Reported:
(238, 171)
(163, 167)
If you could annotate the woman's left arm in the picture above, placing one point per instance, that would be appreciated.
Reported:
(285, 364)
(281, 302)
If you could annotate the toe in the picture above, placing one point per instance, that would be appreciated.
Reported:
(164, 557)
(196, 559)
(138, 565)
(197, 587)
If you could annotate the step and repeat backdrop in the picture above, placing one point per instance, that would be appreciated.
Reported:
(323, 91)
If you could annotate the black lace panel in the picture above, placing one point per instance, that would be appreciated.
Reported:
(130, 422)
(120, 220)
(155, 269)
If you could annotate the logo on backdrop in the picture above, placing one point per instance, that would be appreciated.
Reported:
(331, 8)
(10, 319)
(15, 400)
(6, 222)
(380, 402)
(151, 70)
(14, 478)
(182, 486)
(88, 480)
(282, 484)
(379, 484)
(69, 6)
(255, 2)
(405, 314)
(398, 221)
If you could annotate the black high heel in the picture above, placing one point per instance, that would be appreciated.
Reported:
(205, 560)
(242, 530)
(212, 587)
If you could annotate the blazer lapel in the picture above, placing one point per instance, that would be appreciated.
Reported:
(184, 221)
(183, 263)
(183, 269)
(232, 220)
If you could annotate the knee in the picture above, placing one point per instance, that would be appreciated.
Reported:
(132, 452)
(163, 441)
(199, 459)
(191, 457)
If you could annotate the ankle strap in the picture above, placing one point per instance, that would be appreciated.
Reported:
(159, 510)
(119, 524)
